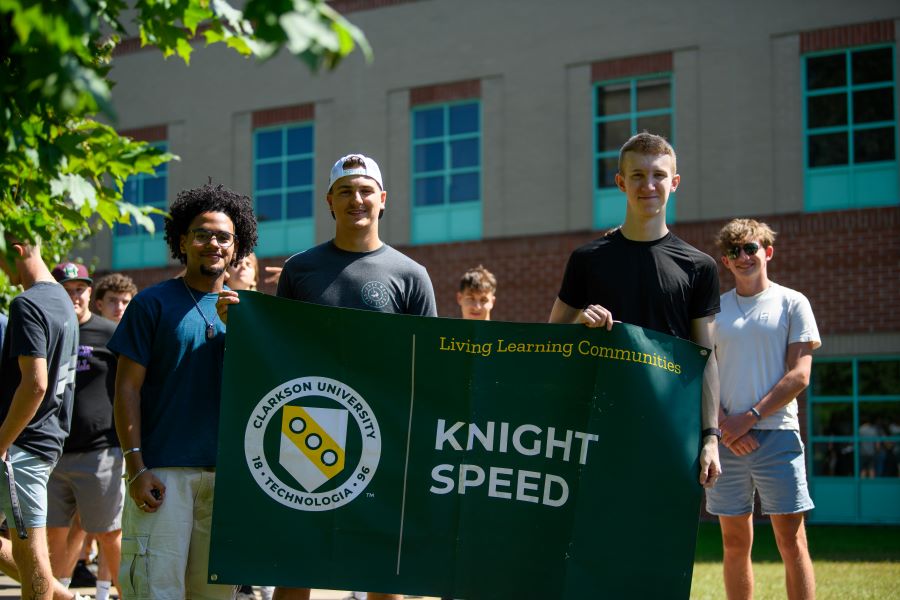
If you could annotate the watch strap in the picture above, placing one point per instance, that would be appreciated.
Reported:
(711, 431)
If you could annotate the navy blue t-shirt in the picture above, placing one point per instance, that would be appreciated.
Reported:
(163, 331)
(42, 324)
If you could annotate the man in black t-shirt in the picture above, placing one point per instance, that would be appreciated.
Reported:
(88, 476)
(37, 384)
(643, 275)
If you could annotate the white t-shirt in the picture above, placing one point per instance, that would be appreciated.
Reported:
(751, 336)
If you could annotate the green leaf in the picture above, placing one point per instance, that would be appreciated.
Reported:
(184, 49)
(75, 188)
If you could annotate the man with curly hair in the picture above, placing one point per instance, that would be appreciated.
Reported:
(171, 346)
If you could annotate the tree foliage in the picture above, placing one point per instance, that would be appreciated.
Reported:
(62, 171)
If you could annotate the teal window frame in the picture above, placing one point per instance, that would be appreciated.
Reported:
(284, 235)
(609, 202)
(850, 498)
(854, 185)
(132, 246)
(446, 221)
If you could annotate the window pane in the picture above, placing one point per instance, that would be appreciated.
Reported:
(429, 157)
(872, 145)
(464, 118)
(832, 379)
(428, 123)
(653, 93)
(159, 221)
(879, 377)
(300, 172)
(130, 190)
(268, 176)
(878, 417)
(123, 230)
(661, 125)
(464, 153)
(873, 105)
(612, 134)
(606, 171)
(833, 459)
(826, 111)
(268, 207)
(614, 100)
(154, 190)
(464, 187)
(299, 140)
(429, 191)
(268, 143)
(826, 71)
(870, 66)
(828, 149)
(832, 418)
(299, 205)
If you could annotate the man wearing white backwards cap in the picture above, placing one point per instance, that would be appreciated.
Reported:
(355, 269)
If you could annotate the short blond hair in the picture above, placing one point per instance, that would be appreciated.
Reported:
(648, 144)
(738, 230)
(478, 279)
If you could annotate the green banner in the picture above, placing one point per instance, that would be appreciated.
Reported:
(465, 459)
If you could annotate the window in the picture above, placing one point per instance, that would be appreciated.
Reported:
(446, 172)
(854, 425)
(622, 108)
(283, 188)
(133, 247)
(850, 128)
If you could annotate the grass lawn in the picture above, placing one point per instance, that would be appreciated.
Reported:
(850, 563)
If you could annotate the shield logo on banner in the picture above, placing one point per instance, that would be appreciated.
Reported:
(313, 444)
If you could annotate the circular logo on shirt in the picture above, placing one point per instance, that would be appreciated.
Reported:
(376, 294)
(312, 444)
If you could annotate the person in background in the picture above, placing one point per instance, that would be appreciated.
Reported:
(87, 480)
(112, 294)
(477, 294)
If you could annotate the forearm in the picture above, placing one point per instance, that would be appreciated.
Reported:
(127, 412)
(783, 392)
(710, 396)
(24, 405)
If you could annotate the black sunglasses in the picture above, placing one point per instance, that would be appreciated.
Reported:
(750, 248)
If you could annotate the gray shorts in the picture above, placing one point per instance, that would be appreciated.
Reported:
(31, 473)
(776, 470)
(90, 482)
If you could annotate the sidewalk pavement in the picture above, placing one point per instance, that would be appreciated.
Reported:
(10, 589)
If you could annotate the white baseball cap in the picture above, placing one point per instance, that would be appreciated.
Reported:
(369, 169)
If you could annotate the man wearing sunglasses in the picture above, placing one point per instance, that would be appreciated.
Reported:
(171, 348)
(764, 338)
(642, 274)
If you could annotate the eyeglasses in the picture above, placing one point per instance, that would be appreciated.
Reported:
(205, 236)
(750, 248)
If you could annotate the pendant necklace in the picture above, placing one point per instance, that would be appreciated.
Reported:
(210, 330)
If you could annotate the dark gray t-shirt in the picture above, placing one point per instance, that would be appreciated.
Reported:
(384, 280)
(42, 324)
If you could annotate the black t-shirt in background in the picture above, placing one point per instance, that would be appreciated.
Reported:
(42, 324)
(93, 427)
(661, 285)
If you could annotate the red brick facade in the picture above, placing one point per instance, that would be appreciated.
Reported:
(445, 92)
(151, 133)
(846, 262)
(283, 114)
(847, 36)
(631, 66)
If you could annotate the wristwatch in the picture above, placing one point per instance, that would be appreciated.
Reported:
(711, 431)
(755, 413)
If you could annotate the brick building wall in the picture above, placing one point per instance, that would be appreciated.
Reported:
(846, 262)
